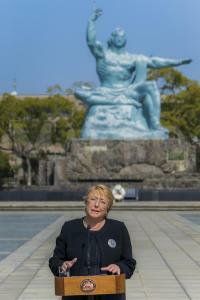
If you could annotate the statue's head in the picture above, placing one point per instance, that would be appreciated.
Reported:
(117, 39)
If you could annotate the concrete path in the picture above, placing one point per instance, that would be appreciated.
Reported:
(166, 245)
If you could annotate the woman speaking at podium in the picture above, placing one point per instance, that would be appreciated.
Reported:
(94, 244)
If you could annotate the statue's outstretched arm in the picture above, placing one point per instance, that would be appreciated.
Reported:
(94, 45)
(158, 62)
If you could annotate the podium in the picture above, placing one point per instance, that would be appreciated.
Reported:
(90, 285)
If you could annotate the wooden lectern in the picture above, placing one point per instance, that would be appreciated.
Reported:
(90, 285)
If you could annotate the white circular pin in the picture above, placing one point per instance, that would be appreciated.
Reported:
(112, 243)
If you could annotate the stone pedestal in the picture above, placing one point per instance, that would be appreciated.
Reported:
(139, 164)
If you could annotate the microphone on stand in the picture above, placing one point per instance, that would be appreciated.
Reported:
(81, 265)
(88, 257)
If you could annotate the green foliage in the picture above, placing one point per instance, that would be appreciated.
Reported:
(66, 128)
(4, 167)
(31, 121)
(169, 80)
(180, 103)
(54, 89)
(33, 124)
(4, 162)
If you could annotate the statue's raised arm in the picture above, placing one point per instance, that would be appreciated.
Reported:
(158, 62)
(94, 45)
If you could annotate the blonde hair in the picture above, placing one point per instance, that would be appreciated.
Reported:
(102, 190)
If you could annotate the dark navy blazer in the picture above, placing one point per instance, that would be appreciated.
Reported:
(72, 242)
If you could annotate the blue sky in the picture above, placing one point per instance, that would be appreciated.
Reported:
(43, 41)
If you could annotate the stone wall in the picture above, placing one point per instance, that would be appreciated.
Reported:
(140, 164)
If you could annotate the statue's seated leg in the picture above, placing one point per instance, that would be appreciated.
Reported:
(94, 96)
(105, 96)
(152, 99)
(148, 94)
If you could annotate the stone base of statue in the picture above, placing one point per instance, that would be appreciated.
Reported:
(118, 122)
(138, 163)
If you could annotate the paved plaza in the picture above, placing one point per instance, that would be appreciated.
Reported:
(166, 246)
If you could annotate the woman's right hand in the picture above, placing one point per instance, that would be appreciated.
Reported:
(68, 264)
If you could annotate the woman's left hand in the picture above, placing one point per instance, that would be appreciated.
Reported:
(114, 269)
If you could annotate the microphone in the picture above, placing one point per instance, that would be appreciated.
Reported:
(88, 260)
(83, 247)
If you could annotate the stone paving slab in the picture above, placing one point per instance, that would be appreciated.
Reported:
(166, 245)
(16, 229)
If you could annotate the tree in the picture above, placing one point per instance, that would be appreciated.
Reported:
(5, 168)
(25, 123)
(54, 89)
(180, 103)
(30, 125)
(169, 80)
(66, 128)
